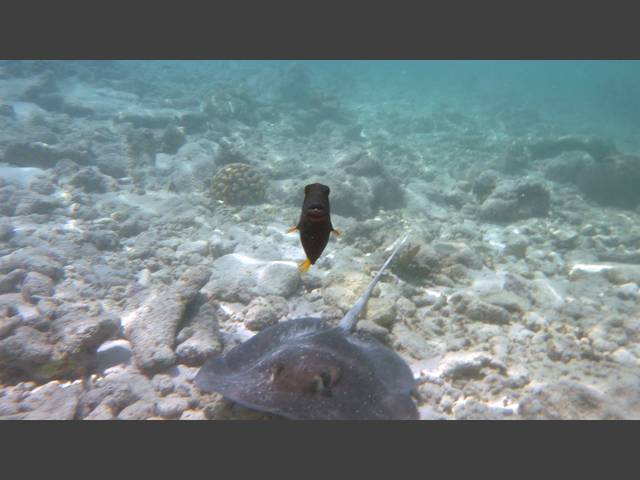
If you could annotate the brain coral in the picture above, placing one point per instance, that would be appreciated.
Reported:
(238, 184)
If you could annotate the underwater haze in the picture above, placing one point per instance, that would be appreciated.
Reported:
(146, 214)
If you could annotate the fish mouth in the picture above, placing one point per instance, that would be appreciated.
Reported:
(316, 211)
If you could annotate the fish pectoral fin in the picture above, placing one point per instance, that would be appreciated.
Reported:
(304, 266)
(336, 232)
(292, 229)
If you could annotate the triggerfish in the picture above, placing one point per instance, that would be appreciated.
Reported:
(315, 223)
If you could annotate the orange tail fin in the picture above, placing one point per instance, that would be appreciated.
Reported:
(292, 229)
(304, 266)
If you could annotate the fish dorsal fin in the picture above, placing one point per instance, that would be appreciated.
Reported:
(349, 321)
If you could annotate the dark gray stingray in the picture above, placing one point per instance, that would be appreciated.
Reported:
(307, 369)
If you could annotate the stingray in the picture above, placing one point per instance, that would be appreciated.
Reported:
(308, 369)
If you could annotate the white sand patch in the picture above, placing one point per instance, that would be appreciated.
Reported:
(154, 203)
(548, 292)
(427, 370)
(504, 403)
(71, 225)
(144, 277)
(435, 292)
(494, 238)
(115, 370)
(114, 343)
(487, 280)
(246, 259)
(230, 308)
(26, 110)
(589, 268)
(260, 272)
(99, 99)
(20, 176)
(279, 262)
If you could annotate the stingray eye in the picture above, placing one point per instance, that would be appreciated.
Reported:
(327, 190)
(320, 385)
(323, 382)
(326, 379)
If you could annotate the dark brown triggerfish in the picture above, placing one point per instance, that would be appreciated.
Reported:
(315, 223)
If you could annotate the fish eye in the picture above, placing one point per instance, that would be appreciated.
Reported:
(327, 190)
(306, 189)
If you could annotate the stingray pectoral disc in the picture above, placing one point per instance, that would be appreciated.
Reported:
(303, 369)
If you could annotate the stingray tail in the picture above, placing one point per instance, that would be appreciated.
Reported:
(349, 321)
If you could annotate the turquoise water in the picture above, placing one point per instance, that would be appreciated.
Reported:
(144, 210)
(594, 96)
